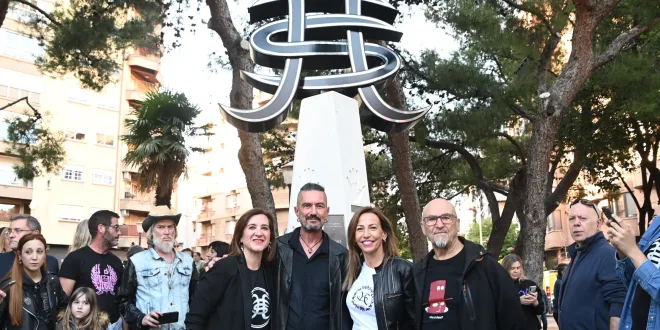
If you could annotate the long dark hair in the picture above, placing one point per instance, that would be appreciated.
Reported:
(221, 248)
(16, 273)
(235, 246)
(390, 246)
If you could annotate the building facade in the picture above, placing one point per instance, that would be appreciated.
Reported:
(93, 176)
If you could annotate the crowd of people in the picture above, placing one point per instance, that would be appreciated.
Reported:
(305, 280)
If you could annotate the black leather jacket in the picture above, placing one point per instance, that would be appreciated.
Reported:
(394, 292)
(337, 256)
(57, 299)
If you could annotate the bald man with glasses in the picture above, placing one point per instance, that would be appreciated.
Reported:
(591, 294)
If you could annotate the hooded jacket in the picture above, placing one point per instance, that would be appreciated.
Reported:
(489, 299)
(41, 303)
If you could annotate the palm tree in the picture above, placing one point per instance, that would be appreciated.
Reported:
(156, 141)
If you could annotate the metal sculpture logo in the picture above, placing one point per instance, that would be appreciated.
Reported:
(323, 35)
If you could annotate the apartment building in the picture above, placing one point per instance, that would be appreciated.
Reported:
(93, 176)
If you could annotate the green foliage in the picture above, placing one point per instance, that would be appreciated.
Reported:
(486, 228)
(156, 140)
(88, 37)
(38, 149)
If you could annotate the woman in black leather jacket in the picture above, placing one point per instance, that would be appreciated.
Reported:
(378, 289)
(34, 301)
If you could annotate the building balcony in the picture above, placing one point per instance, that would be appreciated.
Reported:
(133, 203)
(134, 96)
(205, 216)
(205, 239)
(129, 236)
(12, 187)
(144, 65)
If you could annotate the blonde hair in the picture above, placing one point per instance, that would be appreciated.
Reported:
(82, 237)
(4, 240)
(95, 320)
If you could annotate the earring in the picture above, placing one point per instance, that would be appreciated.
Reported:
(384, 239)
(268, 247)
(241, 245)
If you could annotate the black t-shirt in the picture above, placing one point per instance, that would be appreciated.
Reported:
(442, 293)
(261, 310)
(642, 300)
(101, 272)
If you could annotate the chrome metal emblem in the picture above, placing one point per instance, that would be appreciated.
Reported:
(323, 35)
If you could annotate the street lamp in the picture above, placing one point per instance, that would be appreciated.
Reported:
(287, 173)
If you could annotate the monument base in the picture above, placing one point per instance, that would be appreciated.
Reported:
(330, 152)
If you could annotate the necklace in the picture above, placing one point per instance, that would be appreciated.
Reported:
(310, 249)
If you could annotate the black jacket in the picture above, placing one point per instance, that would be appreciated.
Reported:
(489, 300)
(337, 257)
(32, 292)
(223, 300)
(522, 288)
(394, 293)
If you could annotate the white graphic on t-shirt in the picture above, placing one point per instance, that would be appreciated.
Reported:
(363, 299)
(653, 253)
(104, 283)
(260, 307)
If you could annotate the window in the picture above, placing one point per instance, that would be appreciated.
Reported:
(554, 221)
(231, 225)
(19, 46)
(103, 177)
(213, 230)
(233, 200)
(108, 102)
(70, 212)
(72, 173)
(80, 96)
(75, 136)
(105, 139)
(625, 206)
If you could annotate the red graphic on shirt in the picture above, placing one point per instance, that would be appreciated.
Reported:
(437, 300)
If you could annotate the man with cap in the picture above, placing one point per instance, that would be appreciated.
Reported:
(158, 280)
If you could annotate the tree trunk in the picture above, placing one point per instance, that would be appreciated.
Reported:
(533, 231)
(250, 155)
(4, 6)
(400, 148)
(165, 199)
(503, 223)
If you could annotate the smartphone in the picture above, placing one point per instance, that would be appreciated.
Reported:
(608, 213)
(6, 284)
(532, 289)
(166, 318)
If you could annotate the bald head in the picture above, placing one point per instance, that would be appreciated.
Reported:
(438, 206)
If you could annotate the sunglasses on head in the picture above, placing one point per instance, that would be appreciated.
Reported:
(586, 202)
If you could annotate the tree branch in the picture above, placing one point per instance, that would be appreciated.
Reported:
(41, 11)
(537, 14)
(223, 25)
(546, 60)
(521, 152)
(632, 193)
(458, 193)
(552, 201)
(619, 42)
(37, 114)
(521, 111)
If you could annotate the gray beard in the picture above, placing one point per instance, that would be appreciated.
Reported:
(163, 246)
(311, 228)
(441, 244)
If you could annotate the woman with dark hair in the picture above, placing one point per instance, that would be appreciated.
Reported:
(530, 299)
(217, 249)
(379, 285)
(34, 301)
(237, 292)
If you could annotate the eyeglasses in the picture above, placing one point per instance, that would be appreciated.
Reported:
(586, 202)
(116, 227)
(446, 219)
(18, 231)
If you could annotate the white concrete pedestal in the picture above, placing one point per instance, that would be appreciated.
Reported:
(329, 152)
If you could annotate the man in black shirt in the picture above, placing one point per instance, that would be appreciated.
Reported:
(638, 265)
(459, 285)
(94, 266)
(311, 269)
